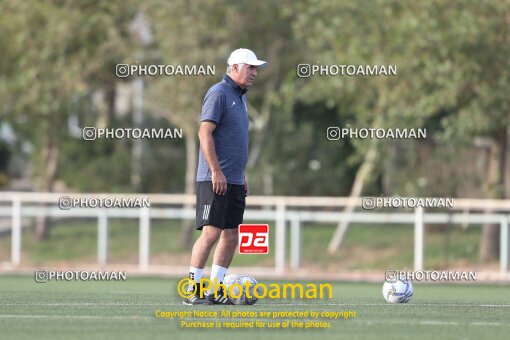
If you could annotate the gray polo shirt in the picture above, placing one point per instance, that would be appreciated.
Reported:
(225, 105)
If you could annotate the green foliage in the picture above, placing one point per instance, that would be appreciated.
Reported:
(58, 51)
(451, 57)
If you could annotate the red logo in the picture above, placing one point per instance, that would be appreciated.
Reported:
(253, 239)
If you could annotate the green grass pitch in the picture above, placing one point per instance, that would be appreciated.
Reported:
(126, 310)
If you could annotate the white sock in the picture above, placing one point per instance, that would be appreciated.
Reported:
(218, 273)
(195, 274)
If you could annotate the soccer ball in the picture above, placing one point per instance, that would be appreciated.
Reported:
(400, 291)
(236, 285)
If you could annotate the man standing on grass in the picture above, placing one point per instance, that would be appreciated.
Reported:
(221, 183)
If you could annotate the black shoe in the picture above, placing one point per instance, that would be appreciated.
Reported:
(196, 299)
(219, 299)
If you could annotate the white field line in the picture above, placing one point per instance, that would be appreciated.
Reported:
(157, 304)
(385, 304)
(71, 304)
(93, 317)
(367, 322)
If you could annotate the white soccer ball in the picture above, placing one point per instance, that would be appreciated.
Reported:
(236, 289)
(400, 291)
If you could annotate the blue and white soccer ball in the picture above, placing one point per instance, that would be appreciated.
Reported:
(236, 285)
(399, 291)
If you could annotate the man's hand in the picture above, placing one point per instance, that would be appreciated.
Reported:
(246, 187)
(219, 182)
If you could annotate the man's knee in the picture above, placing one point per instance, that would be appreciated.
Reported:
(230, 236)
(210, 234)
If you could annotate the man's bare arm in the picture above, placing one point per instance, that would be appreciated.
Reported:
(219, 182)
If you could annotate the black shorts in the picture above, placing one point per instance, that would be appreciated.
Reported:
(222, 211)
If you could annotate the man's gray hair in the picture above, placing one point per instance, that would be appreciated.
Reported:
(229, 68)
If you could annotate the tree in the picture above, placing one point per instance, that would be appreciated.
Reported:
(451, 58)
(55, 53)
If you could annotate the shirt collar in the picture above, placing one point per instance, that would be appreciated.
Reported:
(234, 85)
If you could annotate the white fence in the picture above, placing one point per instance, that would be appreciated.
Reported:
(285, 211)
